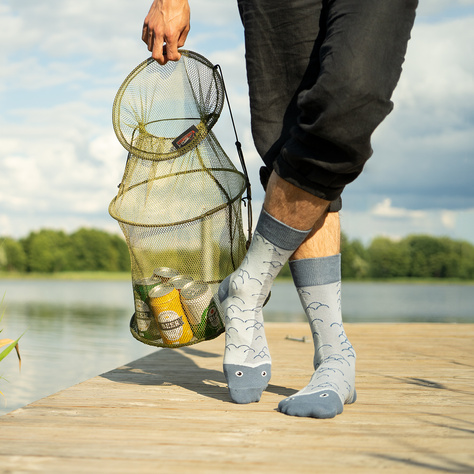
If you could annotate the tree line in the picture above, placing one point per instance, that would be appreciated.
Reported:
(419, 256)
(49, 251)
(415, 256)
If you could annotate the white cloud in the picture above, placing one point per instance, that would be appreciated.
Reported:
(434, 7)
(60, 162)
(448, 219)
(385, 209)
(423, 150)
(365, 226)
(211, 12)
(436, 73)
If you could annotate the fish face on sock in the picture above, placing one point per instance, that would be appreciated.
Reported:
(245, 383)
(243, 377)
(322, 404)
(318, 282)
(247, 361)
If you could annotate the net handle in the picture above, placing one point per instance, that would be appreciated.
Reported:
(248, 198)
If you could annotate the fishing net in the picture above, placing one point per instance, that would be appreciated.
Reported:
(179, 204)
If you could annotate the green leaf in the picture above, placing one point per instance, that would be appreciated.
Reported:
(8, 349)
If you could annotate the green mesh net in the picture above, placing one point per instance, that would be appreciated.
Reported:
(179, 202)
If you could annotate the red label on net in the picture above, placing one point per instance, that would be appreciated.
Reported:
(185, 137)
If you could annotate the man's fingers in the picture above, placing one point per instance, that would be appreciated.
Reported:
(172, 53)
(158, 52)
(165, 29)
(148, 37)
(182, 37)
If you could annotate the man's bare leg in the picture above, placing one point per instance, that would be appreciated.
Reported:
(286, 219)
(292, 205)
(323, 241)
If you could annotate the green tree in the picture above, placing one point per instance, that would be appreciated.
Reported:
(388, 259)
(121, 247)
(47, 251)
(94, 249)
(354, 258)
(12, 255)
(432, 256)
(465, 251)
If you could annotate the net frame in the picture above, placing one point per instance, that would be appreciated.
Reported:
(127, 132)
(135, 131)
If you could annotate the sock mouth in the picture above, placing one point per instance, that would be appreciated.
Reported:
(246, 395)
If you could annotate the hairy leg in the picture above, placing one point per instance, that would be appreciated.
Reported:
(323, 241)
(288, 215)
(292, 205)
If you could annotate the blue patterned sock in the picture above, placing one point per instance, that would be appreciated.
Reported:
(318, 281)
(247, 361)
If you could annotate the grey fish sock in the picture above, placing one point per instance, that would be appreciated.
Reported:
(318, 281)
(247, 361)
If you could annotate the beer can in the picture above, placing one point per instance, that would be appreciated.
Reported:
(201, 310)
(180, 281)
(146, 324)
(195, 298)
(214, 315)
(142, 315)
(169, 315)
(163, 274)
(143, 286)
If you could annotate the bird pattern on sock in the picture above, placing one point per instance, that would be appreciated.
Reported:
(333, 382)
(247, 360)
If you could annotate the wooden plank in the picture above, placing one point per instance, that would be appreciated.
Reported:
(170, 411)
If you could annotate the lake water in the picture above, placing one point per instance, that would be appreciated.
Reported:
(78, 329)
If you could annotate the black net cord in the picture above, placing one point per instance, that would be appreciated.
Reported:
(248, 199)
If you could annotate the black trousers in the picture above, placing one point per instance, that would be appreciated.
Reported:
(321, 74)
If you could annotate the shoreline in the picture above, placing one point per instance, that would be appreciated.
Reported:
(126, 276)
(76, 276)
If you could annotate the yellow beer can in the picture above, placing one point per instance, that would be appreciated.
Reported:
(172, 323)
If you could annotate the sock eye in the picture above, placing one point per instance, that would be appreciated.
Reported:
(324, 395)
(264, 373)
(239, 373)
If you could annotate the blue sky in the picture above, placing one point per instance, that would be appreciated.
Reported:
(62, 61)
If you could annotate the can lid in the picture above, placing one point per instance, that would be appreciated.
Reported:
(161, 290)
(165, 272)
(146, 281)
(180, 281)
(194, 290)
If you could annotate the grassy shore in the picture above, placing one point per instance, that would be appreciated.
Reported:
(126, 276)
(123, 276)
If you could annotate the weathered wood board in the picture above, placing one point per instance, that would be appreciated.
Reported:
(170, 412)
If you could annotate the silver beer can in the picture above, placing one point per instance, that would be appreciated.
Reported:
(180, 281)
(143, 315)
(164, 274)
(195, 298)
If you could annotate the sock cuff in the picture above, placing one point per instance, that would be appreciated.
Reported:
(278, 233)
(316, 271)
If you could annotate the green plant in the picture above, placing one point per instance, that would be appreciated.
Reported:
(10, 343)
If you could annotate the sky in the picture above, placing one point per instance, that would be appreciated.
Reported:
(62, 62)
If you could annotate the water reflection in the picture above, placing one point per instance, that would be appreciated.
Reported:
(384, 302)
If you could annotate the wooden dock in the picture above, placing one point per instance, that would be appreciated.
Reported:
(170, 412)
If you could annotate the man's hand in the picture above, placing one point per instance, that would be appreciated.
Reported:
(165, 29)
